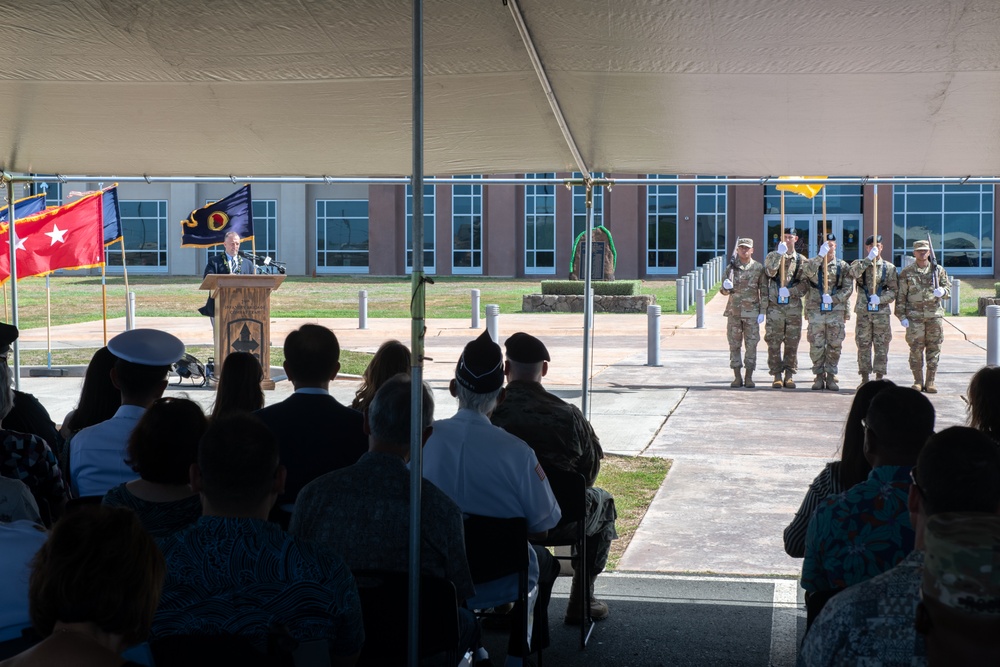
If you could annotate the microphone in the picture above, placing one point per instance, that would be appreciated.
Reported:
(257, 259)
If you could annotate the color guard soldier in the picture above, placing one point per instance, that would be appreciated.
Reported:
(827, 311)
(876, 282)
(746, 287)
(922, 286)
(786, 286)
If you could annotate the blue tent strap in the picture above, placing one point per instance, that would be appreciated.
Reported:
(579, 237)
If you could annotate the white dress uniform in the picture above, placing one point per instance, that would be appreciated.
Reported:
(97, 453)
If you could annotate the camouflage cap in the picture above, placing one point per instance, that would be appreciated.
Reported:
(921, 244)
(744, 241)
(962, 562)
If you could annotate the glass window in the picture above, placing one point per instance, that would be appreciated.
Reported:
(661, 226)
(580, 205)
(144, 228)
(467, 227)
(710, 222)
(540, 226)
(958, 219)
(429, 204)
(342, 236)
(839, 199)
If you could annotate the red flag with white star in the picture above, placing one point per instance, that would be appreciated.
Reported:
(67, 237)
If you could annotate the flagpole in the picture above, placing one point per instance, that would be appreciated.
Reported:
(874, 235)
(104, 297)
(781, 238)
(48, 320)
(12, 246)
(125, 274)
(826, 257)
(6, 313)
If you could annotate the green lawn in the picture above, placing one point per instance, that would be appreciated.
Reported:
(633, 481)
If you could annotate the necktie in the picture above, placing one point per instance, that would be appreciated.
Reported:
(234, 265)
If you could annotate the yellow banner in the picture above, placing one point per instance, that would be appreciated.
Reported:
(808, 191)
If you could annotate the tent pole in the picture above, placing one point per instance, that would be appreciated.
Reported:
(12, 246)
(416, 333)
(588, 301)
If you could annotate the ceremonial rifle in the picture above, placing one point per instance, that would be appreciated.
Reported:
(934, 278)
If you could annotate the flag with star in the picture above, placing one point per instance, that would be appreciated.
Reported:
(208, 226)
(24, 207)
(67, 237)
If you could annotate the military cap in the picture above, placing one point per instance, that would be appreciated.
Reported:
(8, 334)
(831, 237)
(921, 244)
(962, 562)
(792, 231)
(480, 368)
(147, 347)
(744, 241)
(872, 240)
(526, 349)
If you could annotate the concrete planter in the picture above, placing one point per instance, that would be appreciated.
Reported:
(987, 301)
(573, 303)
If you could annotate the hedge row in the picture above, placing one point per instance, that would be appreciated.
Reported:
(601, 288)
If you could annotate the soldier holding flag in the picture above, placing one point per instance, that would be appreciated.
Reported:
(922, 286)
(876, 280)
(785, 287)
(746, 286)
(827, 312)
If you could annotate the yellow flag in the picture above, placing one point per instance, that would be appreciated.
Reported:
(809, 191)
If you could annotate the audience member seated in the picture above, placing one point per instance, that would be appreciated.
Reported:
(363, 511)
(162, 449)
(316, 434)
(490, 472)
(16, 502)
(24, 456)
(866, 530)
(239, 387)
(97, 453)
(959, 610)
(562, 438)
(983, 402)
(29, 416)
(99, 397)
(93, 590)
(235, 573)
(20, 540)
(837, 476)
(391, 358)
(872, 622)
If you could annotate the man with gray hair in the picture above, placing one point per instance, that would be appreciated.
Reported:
(490, 472)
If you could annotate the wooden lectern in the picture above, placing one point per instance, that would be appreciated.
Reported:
(243, 317)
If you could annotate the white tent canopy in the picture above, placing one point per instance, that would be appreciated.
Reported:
(751, 87)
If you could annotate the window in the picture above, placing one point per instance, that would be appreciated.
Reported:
(265, 230)
(959, 219)
(661, 226)
(539, 226)
(144, 228)
(710, 222)
(580, 206)
(839, 199)
(467, 226)
(53, 191)
(429, 203)
(342, 236)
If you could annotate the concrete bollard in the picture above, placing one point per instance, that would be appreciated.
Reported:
(475, 309)
(653, 336)
(363, 309)
(680, 294)
(493, 321)
(130, 312)
(700, 304)
(993, 335)
(956, 296)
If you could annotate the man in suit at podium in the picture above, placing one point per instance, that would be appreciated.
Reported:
(228, 262)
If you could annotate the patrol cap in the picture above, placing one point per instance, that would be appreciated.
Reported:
(872, 240)
(962, 562)
(147, 347)
(8, 334)
(480, 368)
(921, 244)
(792, 231)
(748, 242)
(526, 349)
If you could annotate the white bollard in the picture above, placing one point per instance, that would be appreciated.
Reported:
(680, 294)
(993, 335)
(475, 309)
(130, 312)
(493, 321)
(653, 336)
(363, 309)
(956, 296)
(700, 304)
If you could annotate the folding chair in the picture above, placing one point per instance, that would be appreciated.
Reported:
(498, 548)
(385, 607)
(570, 490)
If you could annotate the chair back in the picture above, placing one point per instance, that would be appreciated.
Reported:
(570, 489)
(495, 547)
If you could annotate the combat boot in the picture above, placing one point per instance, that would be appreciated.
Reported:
(789, 382)
(598, 609)
(918, 380)
(831, 382)
(819, 382)
(879, 376)
(929, 383)
(738, 382)
(777, 382)
(864, 379)
(748, 380)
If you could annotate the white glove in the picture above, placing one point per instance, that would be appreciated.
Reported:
(824, 250)
(827, 299)
(874, 299)
(782, 248)
(727, 284)
(760, 319)
(905, 322)
(939, 292)
(783, 292)
(873, 254)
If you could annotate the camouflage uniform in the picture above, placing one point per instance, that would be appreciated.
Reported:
(826, 327)
(915, 301)
(784, 321)
(749, 289)
(562, 438)
(873, 328)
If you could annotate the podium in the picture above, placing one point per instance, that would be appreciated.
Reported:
(243, 317)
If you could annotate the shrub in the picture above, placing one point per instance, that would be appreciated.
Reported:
(996, 289)
(601, 288)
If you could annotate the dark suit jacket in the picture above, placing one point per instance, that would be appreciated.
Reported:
(316, 434)
(220, 264)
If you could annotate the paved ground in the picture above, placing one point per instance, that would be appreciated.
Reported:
(742, 461)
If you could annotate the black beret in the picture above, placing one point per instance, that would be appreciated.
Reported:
(831, 237)
(8, 334)
(872, 240)
(480, 368)
(792, 231)
(526, 349)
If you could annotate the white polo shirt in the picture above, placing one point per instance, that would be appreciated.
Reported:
(97, 453)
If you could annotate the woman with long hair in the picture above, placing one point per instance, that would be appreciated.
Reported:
(99, 397)
(239, 387)
(983, 401)
(391, 358)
